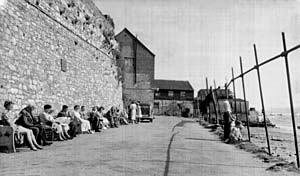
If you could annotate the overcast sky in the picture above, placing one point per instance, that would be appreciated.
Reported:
(194, 39)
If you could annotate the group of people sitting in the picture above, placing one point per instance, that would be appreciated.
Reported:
(232, 127)
(65, 124)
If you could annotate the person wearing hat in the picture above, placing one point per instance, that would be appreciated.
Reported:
(27, 120)
(9, 118)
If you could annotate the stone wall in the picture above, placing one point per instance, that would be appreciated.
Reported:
(35, 42)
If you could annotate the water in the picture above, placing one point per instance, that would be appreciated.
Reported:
(284, 121)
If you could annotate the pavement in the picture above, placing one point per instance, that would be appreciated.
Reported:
(168, 146)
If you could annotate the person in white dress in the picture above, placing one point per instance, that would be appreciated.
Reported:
(139, 112)
(85, 124)
(103, 120)
(47, 119)
(133, 109)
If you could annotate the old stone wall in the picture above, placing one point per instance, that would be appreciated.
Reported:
(36, 43)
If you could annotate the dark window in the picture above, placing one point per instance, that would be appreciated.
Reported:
(157, 94)
(156, 105)
(170, 93)
(182, 93)
(129, 64)
(63, 63)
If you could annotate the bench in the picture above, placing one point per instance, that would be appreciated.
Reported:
(7, 139)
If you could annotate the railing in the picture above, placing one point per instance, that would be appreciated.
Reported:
(284, 54)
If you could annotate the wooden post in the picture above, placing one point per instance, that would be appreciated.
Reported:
(245, 101)
(226, 90)
(216, 101)
(234, 95)
(135, 45)
(214, 104)
(209, 113)
(291, 98)
(262, 99)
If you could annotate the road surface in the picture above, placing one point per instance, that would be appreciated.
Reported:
(168, 146)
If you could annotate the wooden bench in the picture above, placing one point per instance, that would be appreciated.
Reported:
(7, 139)
(78, 126)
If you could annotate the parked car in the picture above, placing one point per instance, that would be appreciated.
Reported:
(146, 112)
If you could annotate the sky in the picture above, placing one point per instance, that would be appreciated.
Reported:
(195, 39)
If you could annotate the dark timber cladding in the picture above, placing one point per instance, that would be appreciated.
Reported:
(137, 64)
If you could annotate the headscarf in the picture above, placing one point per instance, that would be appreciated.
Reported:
(227, 106)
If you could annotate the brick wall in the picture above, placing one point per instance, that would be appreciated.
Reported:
(141, 89)
(33, 42)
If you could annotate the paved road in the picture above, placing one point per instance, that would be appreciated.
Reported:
(168, 146)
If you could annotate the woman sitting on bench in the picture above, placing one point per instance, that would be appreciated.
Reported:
(85, 124)
(9, 119)
(47, 119)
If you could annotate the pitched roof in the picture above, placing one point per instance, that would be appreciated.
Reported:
(134, 37)
(172, 85)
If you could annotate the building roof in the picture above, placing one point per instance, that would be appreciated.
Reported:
(134, 37)
(172, 85)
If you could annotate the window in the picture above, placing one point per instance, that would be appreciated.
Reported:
(170, 93)
(182, 93)
(157, 94)
(156, 105)
(129, 64)
(63, 63)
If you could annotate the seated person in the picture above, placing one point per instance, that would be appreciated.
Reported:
(83, 113)
(103, 120)
(9, 118)
(111, 117)
(95, 119)
(64, 117)
(235, 133)
(27, 120)
(47, 119)
(123, 116)
(85, 124)
(65, 126)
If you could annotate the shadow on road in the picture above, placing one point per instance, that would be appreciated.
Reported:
(169, 154)
(181, 124)
(200, 139)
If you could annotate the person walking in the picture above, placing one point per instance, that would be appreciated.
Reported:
(133, 109)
